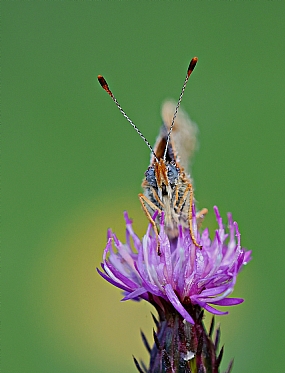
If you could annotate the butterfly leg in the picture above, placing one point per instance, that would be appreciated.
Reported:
(190, 216)
(189, 192)
(200, 216)
(145, 201)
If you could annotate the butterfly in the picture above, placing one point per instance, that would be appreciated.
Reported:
(167, 185)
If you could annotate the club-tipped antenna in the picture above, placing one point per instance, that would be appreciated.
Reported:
(105, 86)
(189, 71)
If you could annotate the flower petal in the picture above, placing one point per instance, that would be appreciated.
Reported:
(109, 279)
(213, 310)
(228, 301)
(114, 272)
(134, 294)
(177, 304)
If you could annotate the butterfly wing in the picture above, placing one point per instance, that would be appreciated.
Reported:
(183, 139)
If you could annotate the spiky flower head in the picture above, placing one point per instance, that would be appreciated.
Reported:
(181, 274)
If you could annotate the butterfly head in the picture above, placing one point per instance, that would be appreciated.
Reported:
(163, 177)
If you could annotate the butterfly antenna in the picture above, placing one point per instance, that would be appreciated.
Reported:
(105, 86)
(189, 72)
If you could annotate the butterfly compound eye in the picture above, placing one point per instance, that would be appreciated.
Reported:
(150, 177)
(172, 173)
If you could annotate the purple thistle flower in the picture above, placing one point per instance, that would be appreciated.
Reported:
(180, 281)
(182, 274)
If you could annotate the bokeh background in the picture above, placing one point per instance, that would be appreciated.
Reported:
(72, 165)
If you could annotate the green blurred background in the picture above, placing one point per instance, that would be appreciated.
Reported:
(72, 165)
